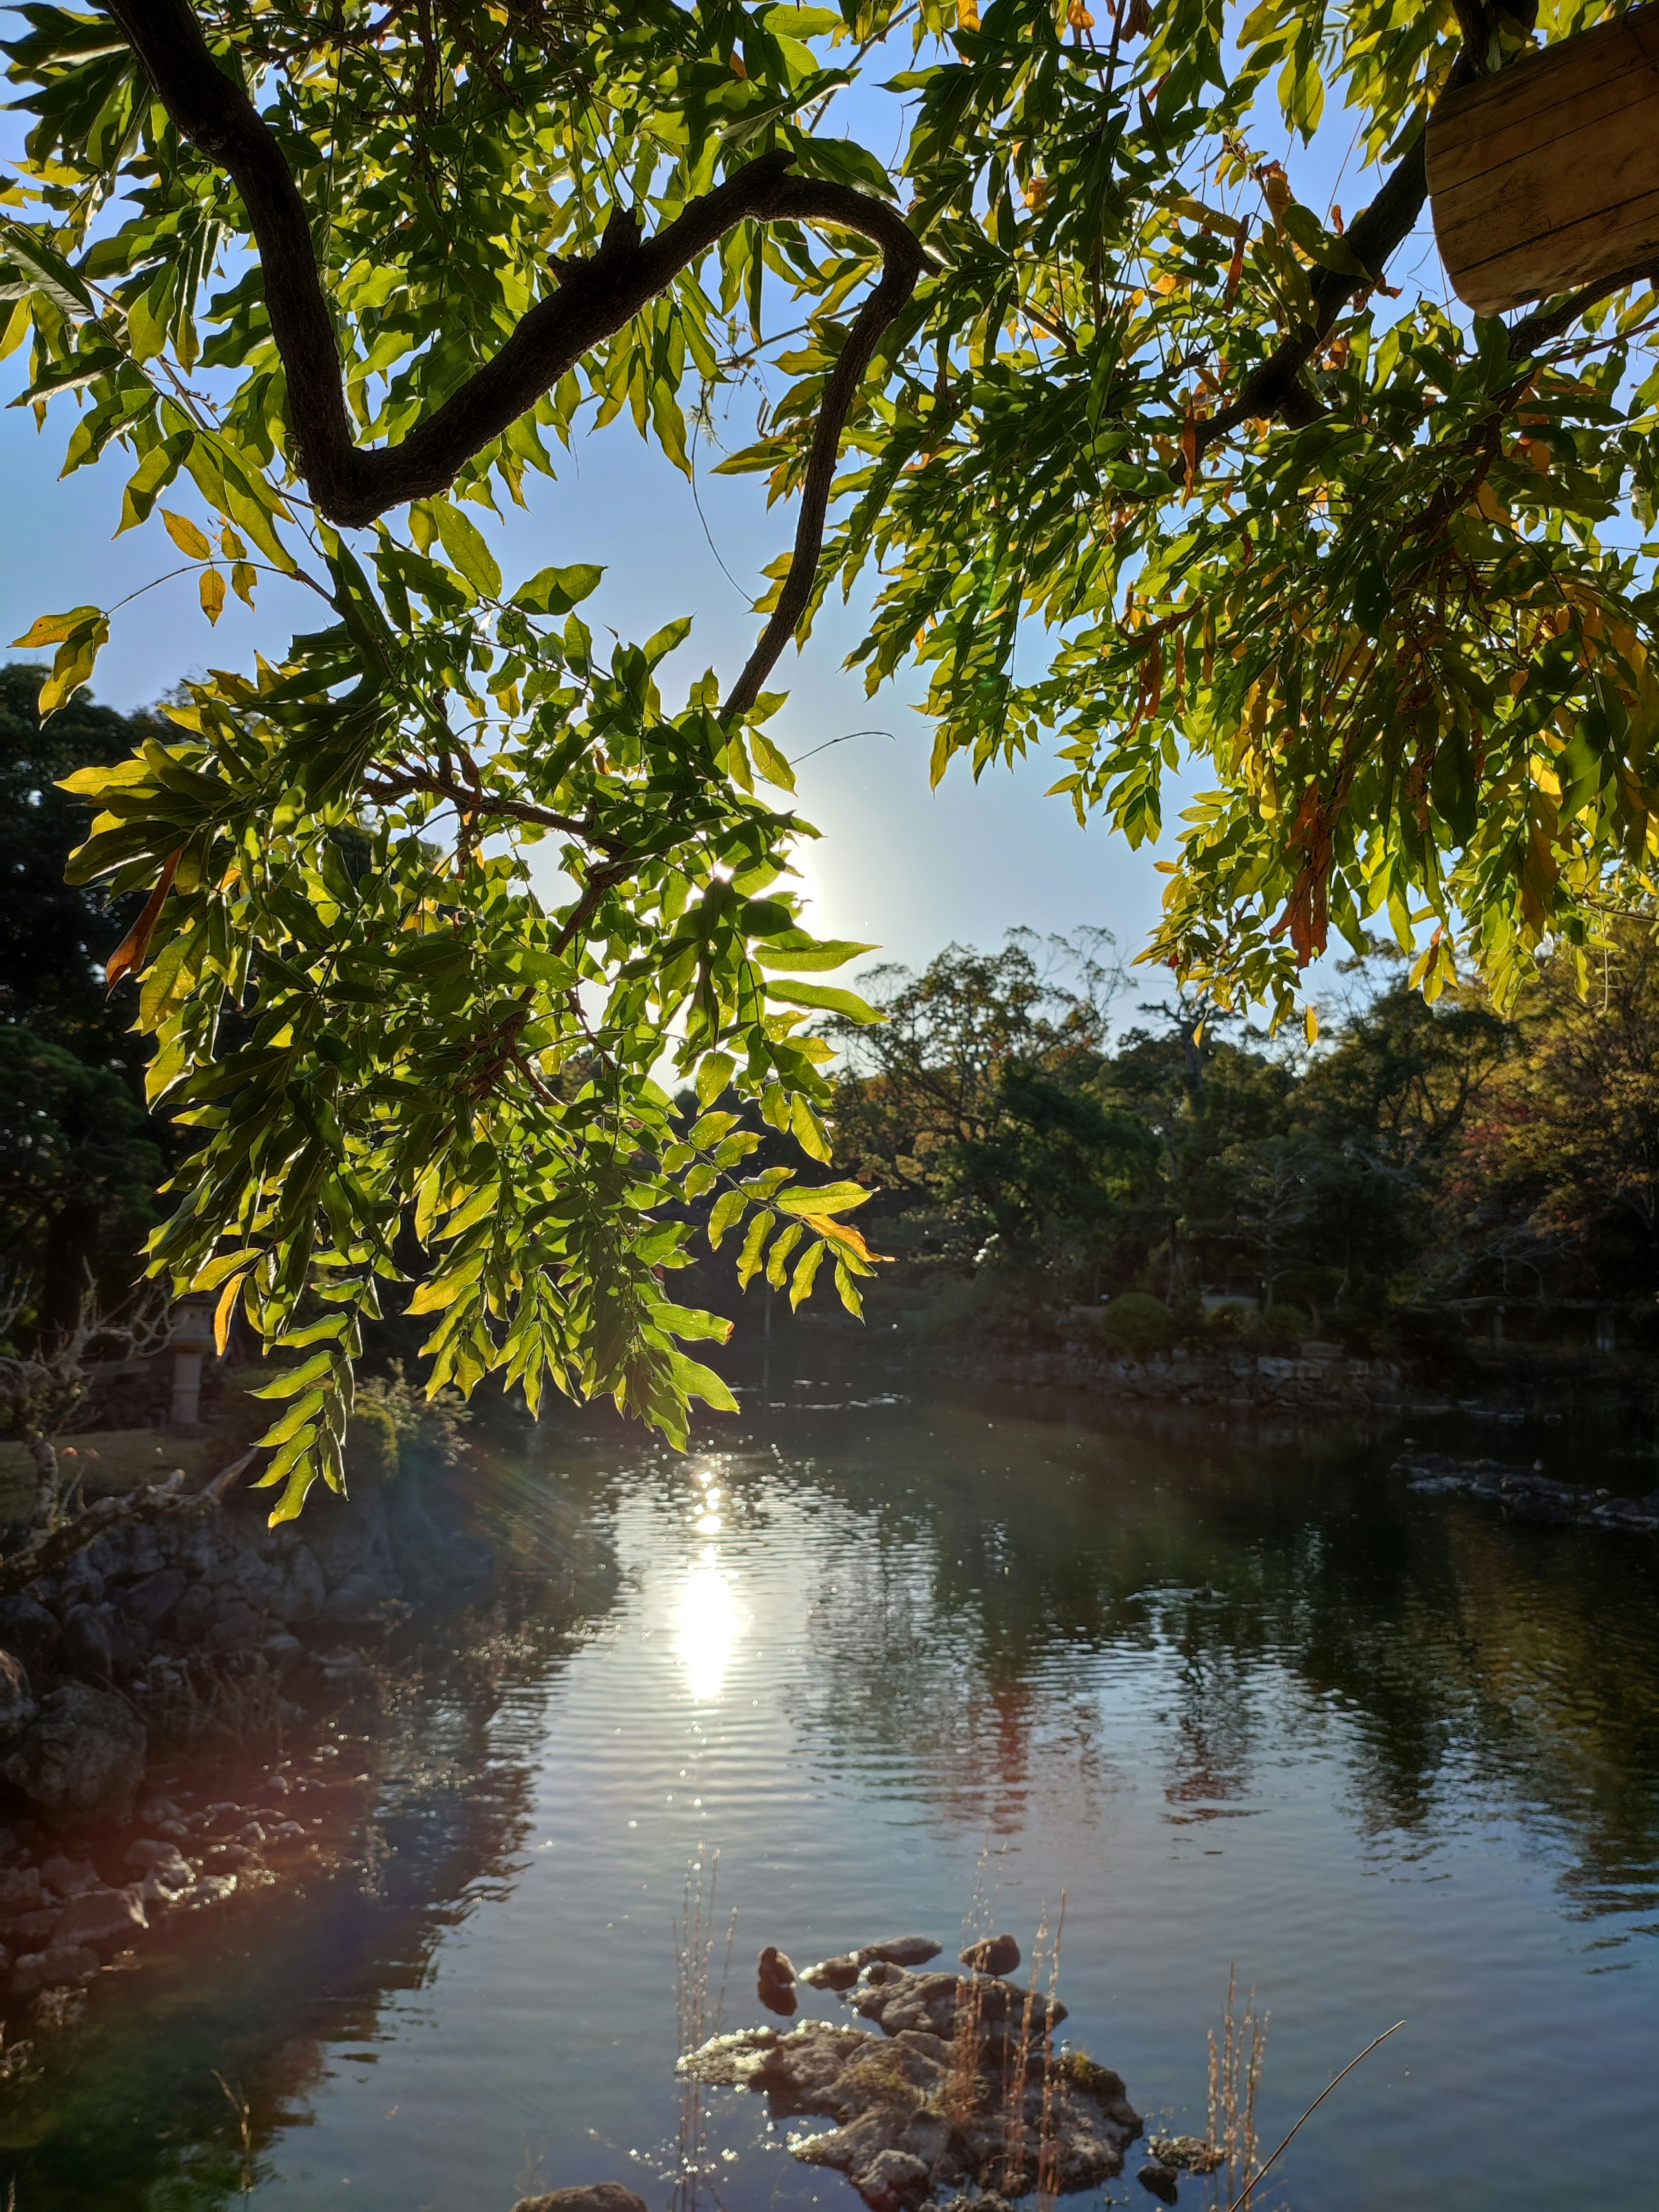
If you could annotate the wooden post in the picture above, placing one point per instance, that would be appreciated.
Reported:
(1545, 176)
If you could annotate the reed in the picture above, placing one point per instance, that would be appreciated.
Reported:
(1048, 2158)
(232, 1701)
(978, 1920)
(1024, 2042)
(1236, 2062)
(238, 2104)
(696, 1937)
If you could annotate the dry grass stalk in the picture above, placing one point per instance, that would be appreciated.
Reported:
(695, 1936)
(236, 1702)
(1048, 2165)
(1044, 1979)
(977, 1922)
(1235, 2076)
(238, 2104)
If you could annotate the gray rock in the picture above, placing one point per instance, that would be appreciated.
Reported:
(28, 1629)
(81, 1759)
(165, 1873)
(16, 1706)
(20, 1888)
(151, 1599)
(994, 1954)
(86, 1647)
(79, 1582)
(1190, 2153)
(194, 1615)
(63, 1963)
(102, 1916)
(839, 1974)
(238, 1627)
(66, 1877)
(903, 1950)
(894, 2179)
(358, 1598)
(28, 1931)
(598, 2196)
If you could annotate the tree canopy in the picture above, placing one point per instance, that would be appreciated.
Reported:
(1137, 453)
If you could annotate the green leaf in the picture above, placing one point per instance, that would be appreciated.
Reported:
(464, 543)
(556, 591)
(293, 1379)
(753, 1244)
(847, 1004)
(795, 952)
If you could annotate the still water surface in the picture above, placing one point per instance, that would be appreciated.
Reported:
(1234, 1692)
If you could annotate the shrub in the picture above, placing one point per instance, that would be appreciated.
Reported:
(1136, 1323)
(1277, 1329)
(428, 1430)
(371, 1447)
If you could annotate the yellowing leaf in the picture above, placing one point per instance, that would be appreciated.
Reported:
(52, 629)
(241, 581)
(185, 536)
(966, 15)
(213, 593)
(832, 1197)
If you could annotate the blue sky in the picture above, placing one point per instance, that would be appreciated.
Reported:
(897, 863)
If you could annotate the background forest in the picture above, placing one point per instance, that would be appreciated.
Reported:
(1036, 1138)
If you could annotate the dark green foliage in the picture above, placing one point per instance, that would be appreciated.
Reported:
(79, 1155)
(1136, 1323)
(54, 936)
(371, 1447)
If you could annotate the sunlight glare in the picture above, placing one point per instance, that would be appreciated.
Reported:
(707, 1625)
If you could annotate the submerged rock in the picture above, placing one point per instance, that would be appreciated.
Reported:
(101, 1916)
(1191, 2153)
(1527, 1495)
(838, 1974)
(1163, 2180)
(598, 2196)
(53, 1968)
(901, 1951)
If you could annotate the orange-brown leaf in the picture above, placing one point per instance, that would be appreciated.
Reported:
(130, 955)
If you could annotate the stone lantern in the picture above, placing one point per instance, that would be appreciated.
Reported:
(190, 1342)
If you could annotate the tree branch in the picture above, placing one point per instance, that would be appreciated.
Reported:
(467, 799)
(1374, 237)
(159, 1501)
(595, 299)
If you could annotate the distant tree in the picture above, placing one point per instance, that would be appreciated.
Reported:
(55, 937)
(80, 1154)
(1561, 1171)
(929, 1079)
(1061, 1176)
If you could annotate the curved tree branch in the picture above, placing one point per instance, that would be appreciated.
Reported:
(596, 297)
(1374, 236)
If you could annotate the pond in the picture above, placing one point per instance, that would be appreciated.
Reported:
(1232, 1692)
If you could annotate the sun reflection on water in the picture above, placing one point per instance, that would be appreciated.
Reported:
(707, 1625)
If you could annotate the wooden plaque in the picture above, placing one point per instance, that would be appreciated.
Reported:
(1545, 176)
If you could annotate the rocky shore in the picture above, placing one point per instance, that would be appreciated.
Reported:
(1185, 1379)
(196, 1626)
(1526, 1494)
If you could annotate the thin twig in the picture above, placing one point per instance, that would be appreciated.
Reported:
(1313, 2108)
